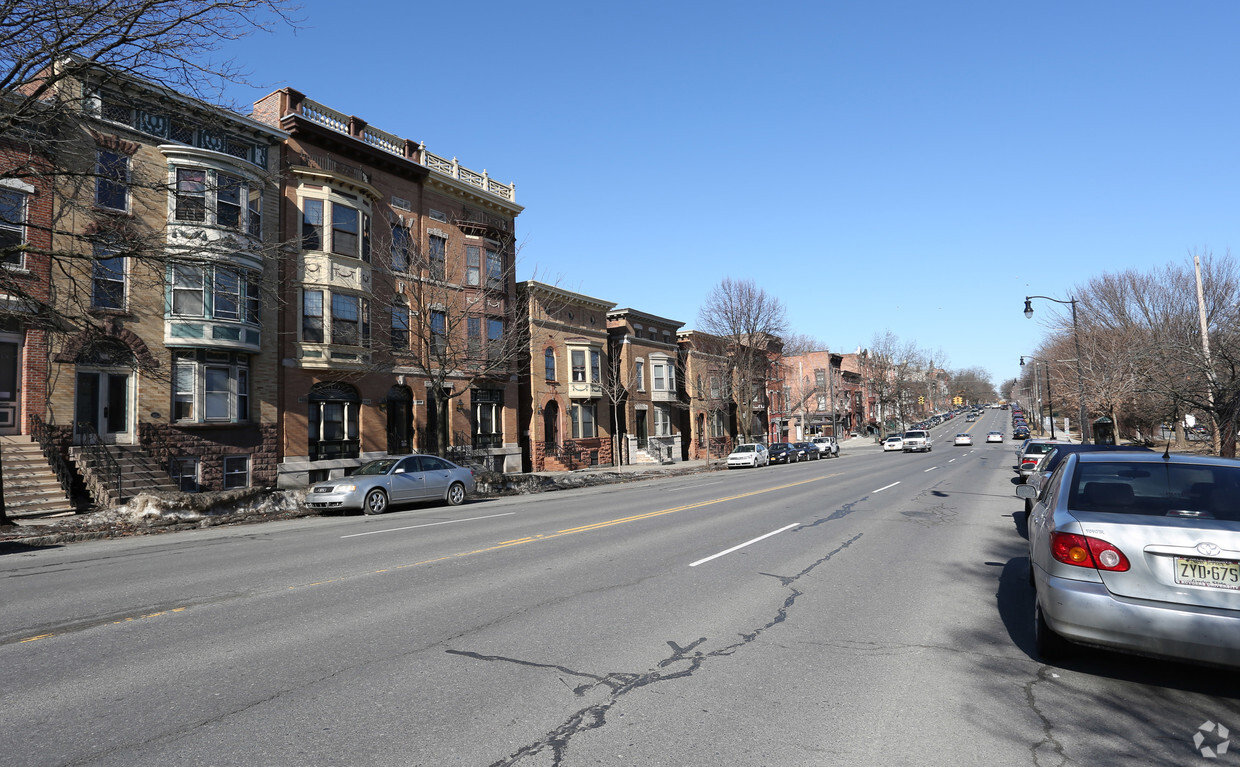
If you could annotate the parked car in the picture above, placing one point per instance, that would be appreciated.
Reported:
(1140, 553)
(809, 451)
(751, 454)
(994, 436)
(1020, 432)
(1033, 450)
(377, 484)
(784, 452)
(1050, 461)
(963, 439)
(894, 442)
(918, 440)
(827, 446)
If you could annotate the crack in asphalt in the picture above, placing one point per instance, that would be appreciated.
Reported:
(687, 658)
(1047, 737)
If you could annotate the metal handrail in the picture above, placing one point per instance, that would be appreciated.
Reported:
(97, 450)
(42, 434)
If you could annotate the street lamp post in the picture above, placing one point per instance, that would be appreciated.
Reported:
(1050, 403)
(1076, 338)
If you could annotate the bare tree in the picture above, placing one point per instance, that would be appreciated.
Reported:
(750, 320)
(897, 373)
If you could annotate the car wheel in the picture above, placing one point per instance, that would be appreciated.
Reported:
(456, 494)
(376, 502)
(1046, 643)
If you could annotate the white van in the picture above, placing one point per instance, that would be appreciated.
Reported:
(917, 440)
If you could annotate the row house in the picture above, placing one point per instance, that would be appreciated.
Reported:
(860, 409)
(814, 389)
(645, 360)
(708, 419)
(167, 269)
(397, 298)
(567, 394)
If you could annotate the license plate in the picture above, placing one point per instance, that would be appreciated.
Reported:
(1214, 573)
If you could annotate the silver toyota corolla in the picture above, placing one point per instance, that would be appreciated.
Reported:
(1138, 552)
(379, 483)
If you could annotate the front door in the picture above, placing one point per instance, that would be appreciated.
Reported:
(642, 433)
(10, 387)
(102, 404)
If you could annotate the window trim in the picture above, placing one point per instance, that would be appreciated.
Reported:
(192, 366)
(19, 226)
(112, 179)
(96, 277)
(246, 471)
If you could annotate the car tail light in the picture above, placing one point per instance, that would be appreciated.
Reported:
(1083, 551)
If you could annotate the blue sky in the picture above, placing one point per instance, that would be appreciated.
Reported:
(917, 167)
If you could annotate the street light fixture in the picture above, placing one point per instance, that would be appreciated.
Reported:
(1076, 337)
(1050, 403)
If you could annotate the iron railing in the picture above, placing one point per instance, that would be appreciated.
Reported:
(99, 456)
(42, 434)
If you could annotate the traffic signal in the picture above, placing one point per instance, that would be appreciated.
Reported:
(921, 400)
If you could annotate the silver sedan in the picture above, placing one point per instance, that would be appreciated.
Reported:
(1138, 552)
(377, 484)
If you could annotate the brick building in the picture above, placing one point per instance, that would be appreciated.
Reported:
(709, 419)
(397, 299)
(814, 388)
(165, 203)
(566, 413)
(644, 387)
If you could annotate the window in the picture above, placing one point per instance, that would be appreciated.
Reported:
(662, 421)
(187, 290)
(820, 378)
(346, 319)
(437, 257)
(400, 328)
(579, 364)
(236, 471)
(473, 265)
(583, 420)
(111, 180)
(822, 402)
(400, 248)
(664, 373)
(495, 336)
(254, 206)
(473, 334)
(311, 224)
(210, 386)
(716, 424)
(226, 294)
(639, 372)
(184, 473)
(714, 387)
(191, 195)
(488, 405)
(495, 270)
(12, 226)
(229, 193)
(595, 364)
(549, 363)
(253, 299)
(439, 330)
(107, 280)
(346, 227)
(312, 316)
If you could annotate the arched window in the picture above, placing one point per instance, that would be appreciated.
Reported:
(549, 363)
(333, 419)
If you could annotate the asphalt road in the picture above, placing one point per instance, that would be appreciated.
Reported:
(869, 610)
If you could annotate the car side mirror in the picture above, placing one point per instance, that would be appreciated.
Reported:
(399, 471)
(1028, 492)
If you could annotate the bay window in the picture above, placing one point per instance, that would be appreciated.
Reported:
(312, 316)
(235, 293)
(208, 196)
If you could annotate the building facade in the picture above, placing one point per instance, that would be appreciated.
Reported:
(644, 387)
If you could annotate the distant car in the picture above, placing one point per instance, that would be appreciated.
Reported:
(809, 451)
(1138, 552)
(827, 446)
(377, 484)
(963, 439)
(994, 436)
(784, 452)
(1020, 432)
(894, 442)
(1050, 461)
(1032, 452)
(751, 454)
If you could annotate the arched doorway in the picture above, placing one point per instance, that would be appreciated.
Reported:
(551, 422)
(399, 420)
(332, 427)
(103, 394)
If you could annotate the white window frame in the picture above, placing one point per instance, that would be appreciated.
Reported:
(189, 386)
(639, 373)
(576, 412)
(227, 472)
(21, 192)
(662, 421)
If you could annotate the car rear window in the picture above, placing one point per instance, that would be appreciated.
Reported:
(1176, 490)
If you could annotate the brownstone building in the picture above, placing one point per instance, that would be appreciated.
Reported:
(708, 420)
(397, 299)
(814, 388)
(643, 387)
(565, 397)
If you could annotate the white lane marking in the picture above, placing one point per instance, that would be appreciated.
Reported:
(932, 468)
(699, 484)
(885, 487)
(746, 543)
(949, 460)
(428, 524)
